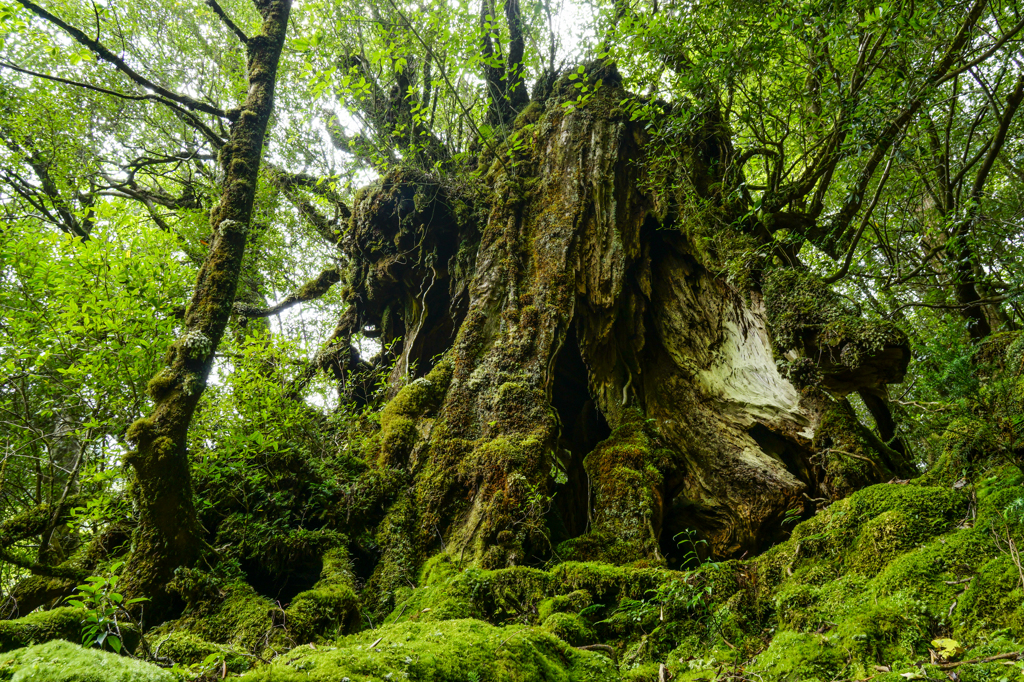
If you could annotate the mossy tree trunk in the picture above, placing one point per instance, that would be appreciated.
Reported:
(584, 383)
(168, 534)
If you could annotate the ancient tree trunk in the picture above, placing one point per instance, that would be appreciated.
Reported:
(583, 385)
(168, 534)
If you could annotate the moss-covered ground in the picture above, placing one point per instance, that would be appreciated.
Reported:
(863, 587)
(60, 661)
(445, 651)
(861, 590)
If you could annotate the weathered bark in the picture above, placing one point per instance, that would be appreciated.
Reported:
(168, 534)
(601, 390)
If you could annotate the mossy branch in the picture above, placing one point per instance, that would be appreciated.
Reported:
(34, 521)
(310, 291)
(37, 568)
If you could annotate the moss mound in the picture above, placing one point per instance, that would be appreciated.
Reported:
(865, 584)
(870, 582)
(448, 651)
(42, 626)
(60, 661)
(188, 650)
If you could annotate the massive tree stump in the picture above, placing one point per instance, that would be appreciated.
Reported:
(580, 381)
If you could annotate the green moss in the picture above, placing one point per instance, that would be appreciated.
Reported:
(625, 482)
(967, 445)
(162, 384)
(574, 602)
(531, 114)
(399, 537)
(331, 607)
(33, 521)
(142, 429)
(799, 656)
(237, 617)
(607, 582)
(187, 649)
(64, 662)
(950, 557)
(848, 531)
(993, 600)
(398, 432)
(894, 629)
(570, 628)
(42, 626)
(647, 672)
(870, 580)
(449, 651)
(496, 595)
(880, 573)
(810, 320)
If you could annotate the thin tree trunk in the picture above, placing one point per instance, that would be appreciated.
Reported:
(168, 534)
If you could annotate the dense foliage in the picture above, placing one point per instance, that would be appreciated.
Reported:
(212, 398)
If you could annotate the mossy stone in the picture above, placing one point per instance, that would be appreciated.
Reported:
(186, 648)
(571, 628)
(60, 661)
(800, 656)
(42, 626)
(448, 651)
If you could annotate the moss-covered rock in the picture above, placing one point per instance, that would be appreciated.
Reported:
(798, 656)
(967, 446)
(191, 651)
(330, 607)
(574, 602)
(42, 626)
(570, 628)
(237, 617)
(448, 651)
(60, 661)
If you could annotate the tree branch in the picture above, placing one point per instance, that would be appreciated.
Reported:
(865, 219)
(187, 116)
(232, 26)
(106, 55)
(37, 568)
(310, 291)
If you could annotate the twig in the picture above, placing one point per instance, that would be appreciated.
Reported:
(1015, 555)
(232, 26)
(600, 647)
(858, 457)
(404, 607)
(998, 657)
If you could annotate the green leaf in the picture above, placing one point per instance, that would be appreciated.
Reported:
(947, 648)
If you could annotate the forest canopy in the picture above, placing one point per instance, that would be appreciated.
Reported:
(522, 340)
